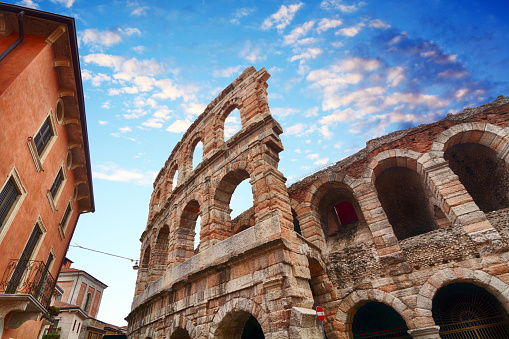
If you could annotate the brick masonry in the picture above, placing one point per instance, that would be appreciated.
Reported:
(258, 266)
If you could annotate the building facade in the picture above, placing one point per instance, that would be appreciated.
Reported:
(406, 238)
(45, 174)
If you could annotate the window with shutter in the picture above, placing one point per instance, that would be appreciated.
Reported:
(8, 197)
(56, 184)
(12, 194)
(42, 140)
(43, 136)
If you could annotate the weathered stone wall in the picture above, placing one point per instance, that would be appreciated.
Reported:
(258, 266)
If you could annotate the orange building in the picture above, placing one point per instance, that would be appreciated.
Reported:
(45, 173)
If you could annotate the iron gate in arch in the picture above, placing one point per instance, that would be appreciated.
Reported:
(467, 311)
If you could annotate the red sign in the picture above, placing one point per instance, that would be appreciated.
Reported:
(320, 313)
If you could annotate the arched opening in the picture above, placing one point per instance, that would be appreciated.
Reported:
(338, 209)
(239, 325)
(377, 320)
(187, 231)
(296, 223)
(316, 283)
(232, 124)
(197, 154)
(174, 174)
(160, 255)
(197, 235)
(233, 194)
(464, 310)
(406, 202)
(483, 174)
(180, 333)
(145, 261)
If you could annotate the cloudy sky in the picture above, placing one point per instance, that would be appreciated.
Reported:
(343, 72)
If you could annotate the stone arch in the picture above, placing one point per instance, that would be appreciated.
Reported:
(194, 139)
(182, 323)
(471, 150)
(410, 211)
(226, 109)
(159, 256)
(183, 236)
(217, 225)
(448, 276)
(172, 178)
(314, 223)
(350, 304)
(238, 305)
(492, 136)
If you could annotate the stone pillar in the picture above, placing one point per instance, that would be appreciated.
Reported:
(304, 323)
(430, 332)
(458, 205)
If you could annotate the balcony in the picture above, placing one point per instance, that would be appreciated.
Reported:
(25, 291)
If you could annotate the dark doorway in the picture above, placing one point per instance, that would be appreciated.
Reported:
(464, 310)
(376, 320)
(180, 334)
(252, 329)
(482, 173)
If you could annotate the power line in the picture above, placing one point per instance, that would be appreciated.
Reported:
(113, 255)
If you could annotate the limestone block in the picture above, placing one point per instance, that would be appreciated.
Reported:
(304, 324)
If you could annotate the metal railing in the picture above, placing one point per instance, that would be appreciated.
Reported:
(397, 333)
(28, 277)
(495, 327)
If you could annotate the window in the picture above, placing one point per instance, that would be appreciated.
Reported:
(42, 140)
(87, 302)
(65, 220)
(8, 197)
(56, 187)
(12, 194)
(31, 248)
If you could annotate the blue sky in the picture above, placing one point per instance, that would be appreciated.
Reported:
(343, 72)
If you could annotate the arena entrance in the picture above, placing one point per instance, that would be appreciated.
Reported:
(376, 320)
(239, 325)
(464, 311)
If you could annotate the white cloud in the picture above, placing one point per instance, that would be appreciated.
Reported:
(112, 172)
(103, 123)
(126, 69)
(106, 105)
(338, 116)
(125, 129)
(282, 17)
(168, 90)
(451, 74)
(312, 112)
(296, 129)
(140, 10)
(282, 112)
(66, 3)
(298, 32)
(313, 156)
(350, 31)
(461, 93)
(131, 31)
(252, 53)
(139, 49)
(194, 108)
(226, 72)
(377, 23)
(338, 4)
(326, 24)
(414, 99)
(357, 64)
(297, 150)
(240, 13)
(395, 76)
(322, 161)
(95, 38)
(178, 126)
(310, 53)
(327, 134)
(28, 3)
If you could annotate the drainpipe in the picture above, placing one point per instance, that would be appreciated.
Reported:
(20, 38)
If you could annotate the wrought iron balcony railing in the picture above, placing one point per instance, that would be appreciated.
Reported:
(28, 277)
